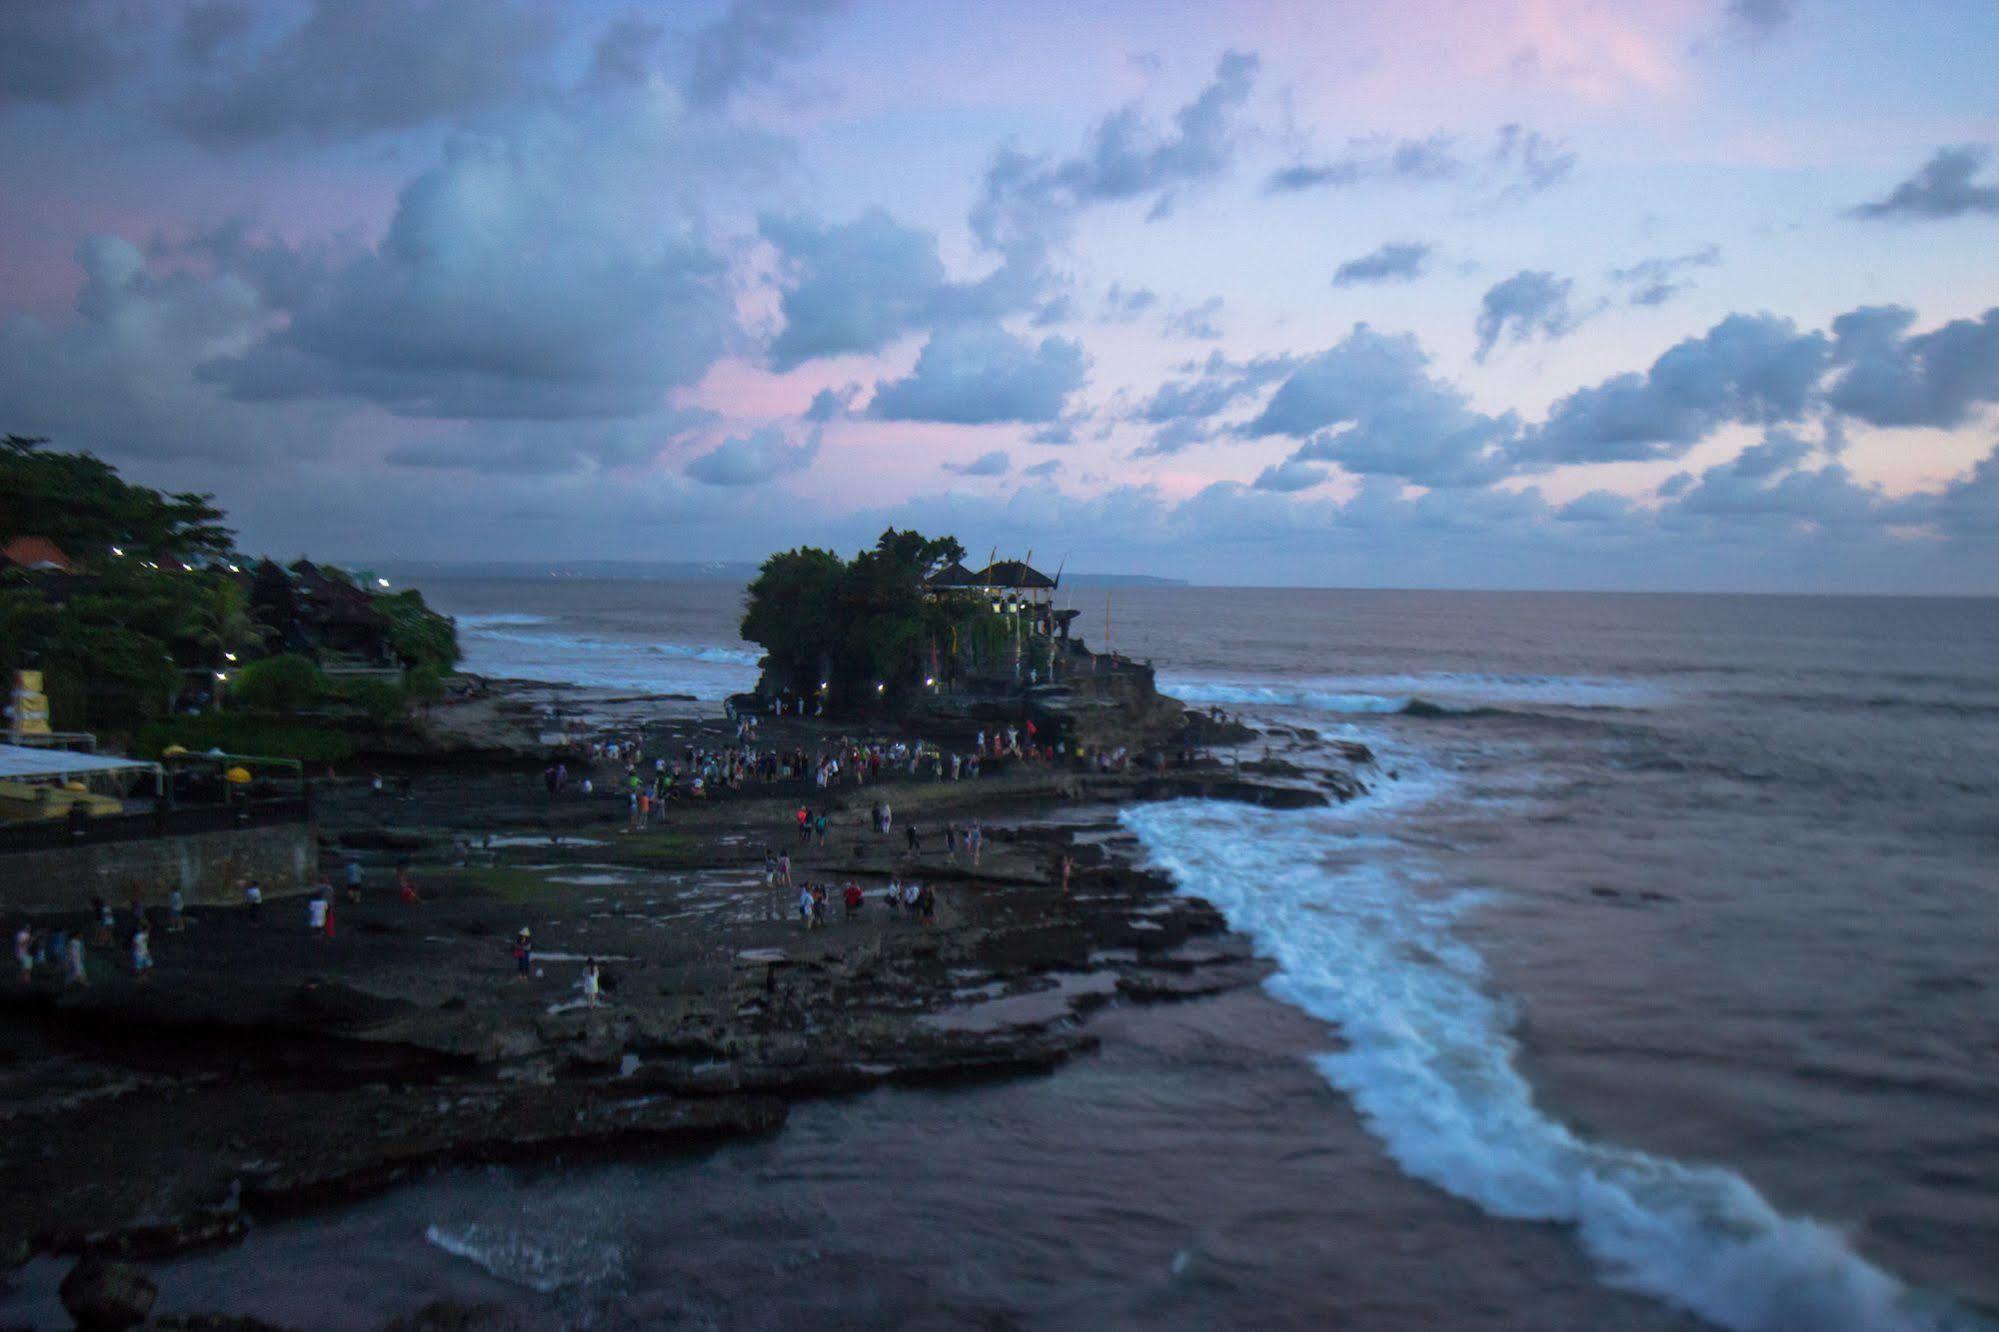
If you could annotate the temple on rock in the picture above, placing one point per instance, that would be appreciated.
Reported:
(1012, 588)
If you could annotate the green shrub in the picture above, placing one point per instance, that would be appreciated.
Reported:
(233, 733)
(382, 701)
(279, 684)
(424, 684)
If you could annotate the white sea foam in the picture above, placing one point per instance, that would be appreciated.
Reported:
(483, 621)
(546, 1260)
(1456, 691)
(1430, 1066)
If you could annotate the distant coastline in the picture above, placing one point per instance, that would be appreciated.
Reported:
(670, 571)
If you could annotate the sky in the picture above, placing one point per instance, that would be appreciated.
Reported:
(1661, 295)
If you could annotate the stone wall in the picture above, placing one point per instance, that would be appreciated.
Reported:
(208, 867)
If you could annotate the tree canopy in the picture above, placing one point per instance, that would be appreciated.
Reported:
(84, 506)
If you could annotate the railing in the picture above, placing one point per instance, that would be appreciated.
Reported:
(53, 834)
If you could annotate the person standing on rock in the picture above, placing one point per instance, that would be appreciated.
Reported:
(590, 983)
(315, 913)
(142, 951)
(406, 885)
(253, 898)
(523, 955)
(784, 868)
(353, 878)
(176, 912)
(1067, 866)
(76, 973)
(24, 951)
(805, 907)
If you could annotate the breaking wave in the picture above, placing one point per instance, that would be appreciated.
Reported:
(1436, 694)
(1429, 1064)
(511, 648)
(544, 1260)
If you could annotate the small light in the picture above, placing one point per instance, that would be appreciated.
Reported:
(229, 656)
(220, 676)
(825, 684)
(878, 687)
(383, 581)
(234, 569)
(929, 681)
(117, 551)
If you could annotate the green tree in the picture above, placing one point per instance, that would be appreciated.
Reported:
(418, 635)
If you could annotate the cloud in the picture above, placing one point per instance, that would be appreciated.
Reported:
(1122, 305)
(995, 463)
(1932, 379)
(1519, 163)
(625, 51)
(1396, 261)
(1290, 476)
(746, 45)
(1370, 404)
(1046, 468)
(52, 51)
(556, 270)
(1656, 281)
(120, 381)
(1596, 506)
(1524, 305)
(976, 374)
(1968, 508)
(851, 288)
(1199, 322)
(1184, 410)
(1026, 201)
(206, 28)
(361, 66)
(553, 448)
(752, 459)
(1760, 18)
(1766, 483)
(1942, 187)
(1756, 369)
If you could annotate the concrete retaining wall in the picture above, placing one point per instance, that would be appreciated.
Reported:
(208, 867)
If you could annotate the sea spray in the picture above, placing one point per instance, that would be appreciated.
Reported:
(1430, 1066)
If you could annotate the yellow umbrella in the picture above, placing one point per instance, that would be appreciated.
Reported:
(238, 775)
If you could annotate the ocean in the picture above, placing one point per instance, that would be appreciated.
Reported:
(1651, 986)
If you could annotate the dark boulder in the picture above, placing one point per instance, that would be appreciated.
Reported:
(105, 1296)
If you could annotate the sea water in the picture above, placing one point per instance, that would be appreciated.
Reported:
(1649, 986)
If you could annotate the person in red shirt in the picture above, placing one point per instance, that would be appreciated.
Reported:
(853, 898)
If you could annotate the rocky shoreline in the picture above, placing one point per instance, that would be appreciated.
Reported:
(264, 1070)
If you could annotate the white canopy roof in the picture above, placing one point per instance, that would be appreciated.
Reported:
(23, 762)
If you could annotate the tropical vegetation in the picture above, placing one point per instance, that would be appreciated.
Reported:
(159, 614)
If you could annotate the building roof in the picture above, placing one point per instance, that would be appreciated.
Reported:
(954, 574)
(36, 552)
(21, 762)
(1014, 574)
